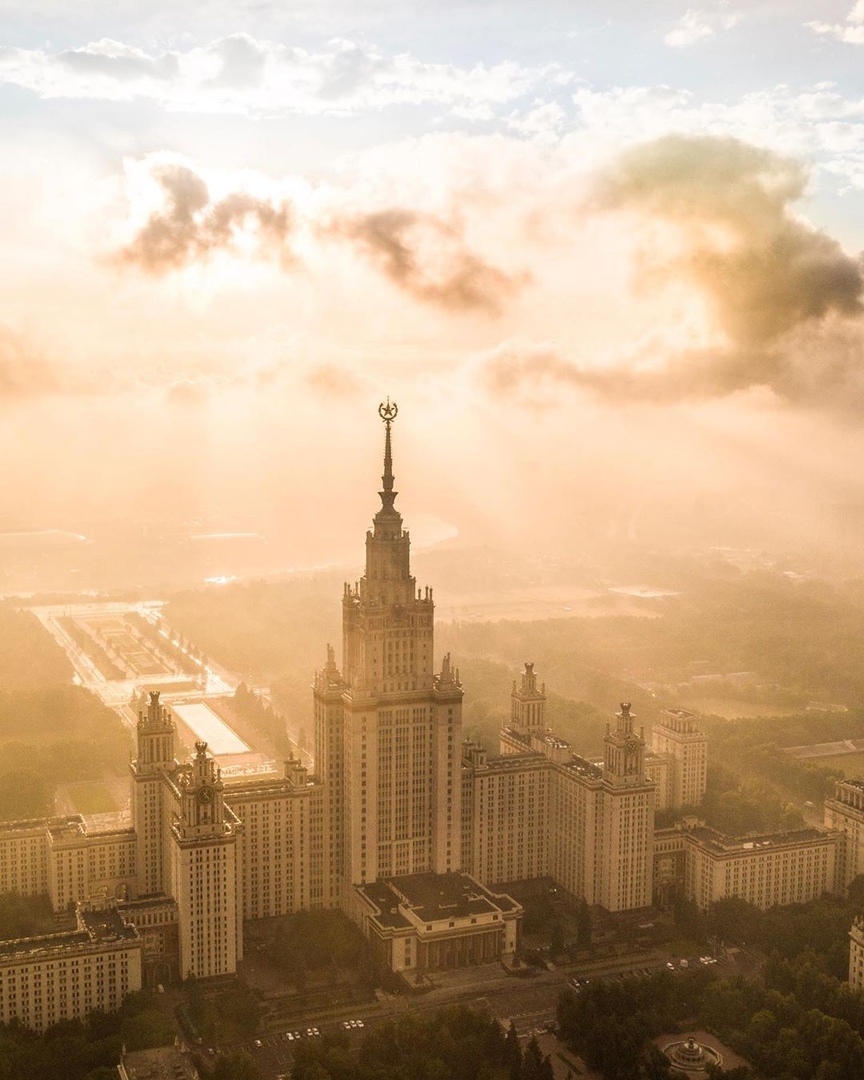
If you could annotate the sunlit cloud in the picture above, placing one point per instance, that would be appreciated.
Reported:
(851, 31)
(420, 252)
(240, 74)
(783, 301)
(696, 25)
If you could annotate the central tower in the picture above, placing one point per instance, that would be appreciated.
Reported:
(401, 725)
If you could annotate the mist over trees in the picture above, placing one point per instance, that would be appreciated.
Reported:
(51, 732)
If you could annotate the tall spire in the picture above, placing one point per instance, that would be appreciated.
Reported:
(387, 411)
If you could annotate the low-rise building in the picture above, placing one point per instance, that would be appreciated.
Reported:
(421, 922)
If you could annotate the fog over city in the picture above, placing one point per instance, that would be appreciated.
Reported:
(431, 578)
(614, 257)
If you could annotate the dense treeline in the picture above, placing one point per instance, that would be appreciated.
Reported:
(263, 631)
(314, 942)
(48, 737)
(457, 1043)
(808, 1030)
(799, 1022)
(817, 930)
(248, 705)
(219, 1014)
(804, 636)
(83, 1051)
(610, 1023)
(29, 656)
(51, 732)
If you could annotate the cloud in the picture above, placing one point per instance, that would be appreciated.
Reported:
(763, 269)
(25, 372)
(419, 251)
(696, 25)
(784, 301)
(428, 259)
(190, 225)
(240, 74)
(851, 32)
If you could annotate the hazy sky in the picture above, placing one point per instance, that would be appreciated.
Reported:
(603, 254)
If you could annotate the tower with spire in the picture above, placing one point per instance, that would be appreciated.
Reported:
(388, 728)
(155, 737)
(205, 873)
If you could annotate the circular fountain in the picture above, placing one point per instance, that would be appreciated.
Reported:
(690, 1056)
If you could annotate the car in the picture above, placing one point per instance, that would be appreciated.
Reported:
(670, 965)
(346, 1024)
(360, 1023)
(289, 1035)
(258, 1043)
(314, 1031)
(298, 1034)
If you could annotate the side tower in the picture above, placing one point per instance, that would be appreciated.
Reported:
(155, 757)
(677, 734)
(528, 704)
(401, 725)
(204, 872)
(626, 840)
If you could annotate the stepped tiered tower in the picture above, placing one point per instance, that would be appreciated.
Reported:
(388, 729)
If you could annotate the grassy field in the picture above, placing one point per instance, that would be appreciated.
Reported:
(92, 797)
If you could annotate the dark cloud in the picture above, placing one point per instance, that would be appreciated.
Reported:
(190, 226)
(786, 298)
(764, 270)
(428, 259)
(423, 255)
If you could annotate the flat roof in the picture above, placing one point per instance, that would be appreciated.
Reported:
(210, 728)
(432, 898)
(757, 842)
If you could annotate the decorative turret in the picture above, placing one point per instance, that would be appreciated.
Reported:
(528, 704)
(202, 806)
(155, 736)
(624, 758)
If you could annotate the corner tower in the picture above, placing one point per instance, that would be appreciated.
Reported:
(401, 726)
(204, 872)
(155, 757)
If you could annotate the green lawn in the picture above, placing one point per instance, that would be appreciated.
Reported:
(92, 797)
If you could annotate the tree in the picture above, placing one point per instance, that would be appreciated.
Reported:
(512, 1054)
(239, 1066)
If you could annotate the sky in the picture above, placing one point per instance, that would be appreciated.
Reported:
(605, 256)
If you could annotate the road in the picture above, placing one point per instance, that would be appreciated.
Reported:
(527, 1002)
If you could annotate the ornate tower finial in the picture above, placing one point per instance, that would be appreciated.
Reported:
(388, 412)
